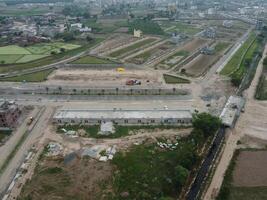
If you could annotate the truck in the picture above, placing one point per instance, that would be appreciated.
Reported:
(30, 121)
(133, 82)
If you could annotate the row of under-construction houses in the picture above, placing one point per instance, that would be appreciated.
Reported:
(164, 116)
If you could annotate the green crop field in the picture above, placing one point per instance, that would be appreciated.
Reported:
(92, 60)
(16, 54)
(49, 59)
(13, 49)
(234, 63)
(174, 79)
(132, 47)
(221, 46)
(182, 28)
(34, 77)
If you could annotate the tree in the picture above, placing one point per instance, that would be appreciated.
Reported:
(207, 123)
(74, 91)
(180, 175)
(62, 50)
(2, 62)
(183, 71)
(236, 80)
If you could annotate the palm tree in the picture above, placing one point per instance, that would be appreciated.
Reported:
(117, 91)
(46, 88)
(74, 91)
(59, 89)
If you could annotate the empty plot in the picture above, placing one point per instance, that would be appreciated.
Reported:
(28, 58)
(92, 60)
(8, 59)
(132, 47)
(250, 170)
(13, 49)
(200, 64)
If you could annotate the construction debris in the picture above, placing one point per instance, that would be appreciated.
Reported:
(54, 149)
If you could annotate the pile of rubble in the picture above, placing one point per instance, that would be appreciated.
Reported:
(169, 146)
(54, 149)
(100, 152)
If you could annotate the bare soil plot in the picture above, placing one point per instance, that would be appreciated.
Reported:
(181, 53)
(153, 53)
(250, 170)
(200, 64)
(113, 42)
(56, 179)
(105, 78)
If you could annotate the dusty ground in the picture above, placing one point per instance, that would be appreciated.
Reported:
(200, 64)
(250, 170)
(194, 44)
(114, 41)
(105, 77)
(78, 179)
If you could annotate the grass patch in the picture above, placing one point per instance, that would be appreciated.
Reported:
(92, 60)
(48, 59)
(120, 131)
(229, 192)
(132, 47)
(13, 152)
(146, 26)
(221, 46)
(235, 61)
(34, 77)
(4, 134)
(183, 28)
(169, 79)
(261, 93)
(168, 61)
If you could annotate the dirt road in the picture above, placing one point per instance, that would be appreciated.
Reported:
(253, 122)
(18, 158)
(7, 148)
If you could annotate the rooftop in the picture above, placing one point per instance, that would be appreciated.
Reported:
(120, 114)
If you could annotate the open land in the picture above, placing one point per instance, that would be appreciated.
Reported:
(132, 47)
(16, 54)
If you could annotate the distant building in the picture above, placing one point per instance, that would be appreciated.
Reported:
(123, 117)
(138, 33)
(209, 32)
(227, 23)
(207, 50)
(9, 114)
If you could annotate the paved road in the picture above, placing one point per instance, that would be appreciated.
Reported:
(7, 148)
(235, 135)
(202, 173)
(33, 136)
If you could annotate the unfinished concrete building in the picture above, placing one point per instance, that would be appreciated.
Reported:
(9, 114)
(123, 117)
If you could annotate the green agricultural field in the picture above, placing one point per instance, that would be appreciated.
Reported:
(234, 63)
(34, 77)
(132, 47)
(6, 59)
(221, 46)
(49, 59)
(29, 58)
(92, 60)
(174, 79)
(13, 49)
(16, 54)
(182, 28)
